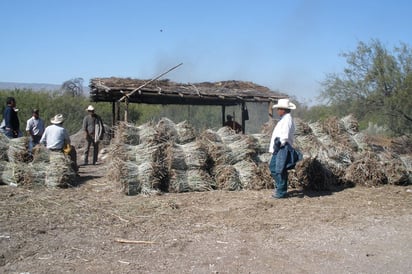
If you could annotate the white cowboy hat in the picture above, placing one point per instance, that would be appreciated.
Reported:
(284, 103)
(90, 108)
(57, 119)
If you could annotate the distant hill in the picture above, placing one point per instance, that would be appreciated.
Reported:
(34, 86)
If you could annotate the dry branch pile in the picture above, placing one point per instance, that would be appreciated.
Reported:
(337, 154)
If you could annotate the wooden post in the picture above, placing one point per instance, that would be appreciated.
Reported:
(113, 113)
(223, 115)
(117, 112)
(126, 110)
(243, 117)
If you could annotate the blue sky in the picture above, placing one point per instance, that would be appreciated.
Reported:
(287, 46)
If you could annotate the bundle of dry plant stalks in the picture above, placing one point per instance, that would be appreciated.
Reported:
(18, 150)
(188, 160)
(219, 153)
(40, 168)
(227, 177)
(190, 180)
(168, 157)
(251, 175)
(366, 171)
(58, 171)
(135, 164)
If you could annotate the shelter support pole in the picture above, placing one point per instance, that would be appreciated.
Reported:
(117, 112)
(270, 110)
(223, 114)
(243, 117)
(113, 113)
(126, 110)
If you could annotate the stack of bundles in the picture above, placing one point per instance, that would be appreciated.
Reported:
(59, 171)
(187, 165)
(241, 147)
(336, 148)
(40, 164)
(225, 175)
(244, 151)
(262, 142)
(180, 133)
(126, 133)
(366, 171)
(218, 152)
(392, 165)
(327, 151)
(4, 146)
(311, 174)
(43, 167)
(392, 158)
(167, 130)
(350, 124)
(14, 158)
(18, 150)
(136, 154)
(305, 140)
(185, 133)
(253, 176)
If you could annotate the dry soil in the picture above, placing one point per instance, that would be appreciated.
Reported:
(94, 228)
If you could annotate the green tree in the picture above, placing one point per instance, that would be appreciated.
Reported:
(375, 86)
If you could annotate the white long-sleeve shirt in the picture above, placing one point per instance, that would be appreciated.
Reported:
(35, 126)
(285, 130)
(55, 137)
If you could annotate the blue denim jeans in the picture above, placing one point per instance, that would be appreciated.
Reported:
(279, 172)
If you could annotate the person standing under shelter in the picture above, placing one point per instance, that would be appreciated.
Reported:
(94, 131)
(11, 119)
(284, 156)
(232, 124)
(35, 128)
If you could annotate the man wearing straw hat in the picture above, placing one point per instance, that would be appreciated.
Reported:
(94, 130)
(281, 147)
(55, 136)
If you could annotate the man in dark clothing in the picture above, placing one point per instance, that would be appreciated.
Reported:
(94, 130)
(232, 124)
(11, 120)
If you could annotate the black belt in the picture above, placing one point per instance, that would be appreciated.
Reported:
(55, 149)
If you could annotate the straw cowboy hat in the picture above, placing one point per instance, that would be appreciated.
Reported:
(284, 103)
(57, 119)
(90, 108)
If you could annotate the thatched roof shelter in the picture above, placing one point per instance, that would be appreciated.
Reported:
(225, 93)
(166, 92)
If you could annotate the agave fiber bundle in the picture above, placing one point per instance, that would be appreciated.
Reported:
(190, 180)
(227, 177)
(58, 171)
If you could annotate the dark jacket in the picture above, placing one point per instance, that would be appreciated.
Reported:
(11, 120)
(286, 157)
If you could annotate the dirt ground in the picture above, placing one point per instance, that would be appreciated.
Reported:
(94, 228)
